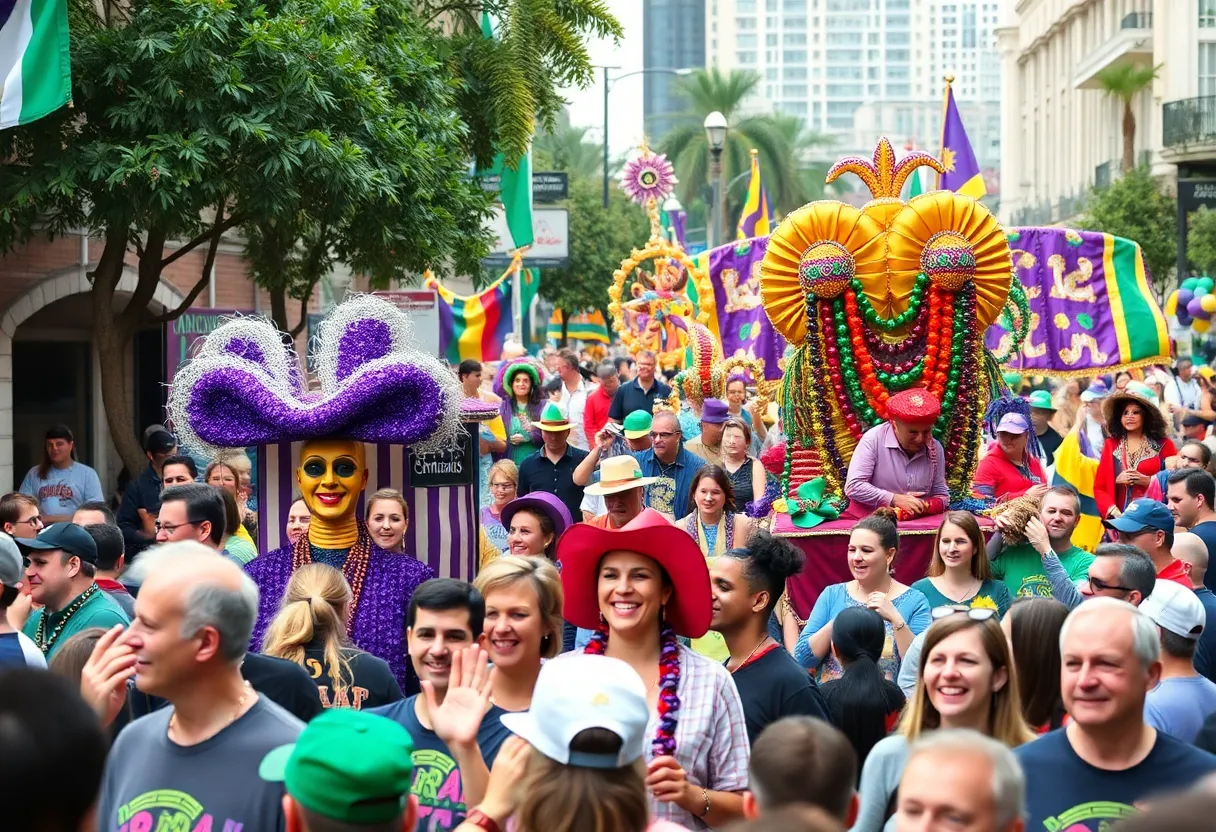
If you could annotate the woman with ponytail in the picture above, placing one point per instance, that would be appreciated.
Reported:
(640, 588)
(311, 630)
(863, 704)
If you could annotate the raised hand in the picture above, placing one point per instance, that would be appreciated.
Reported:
(458, 719)
(103, 680)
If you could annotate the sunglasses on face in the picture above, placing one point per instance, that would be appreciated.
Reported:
(974, 613)
(1098, 585)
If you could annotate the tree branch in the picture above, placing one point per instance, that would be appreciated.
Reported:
(192, 296)
(216, 230)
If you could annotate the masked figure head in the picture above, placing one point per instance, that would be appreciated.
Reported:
(332, 474)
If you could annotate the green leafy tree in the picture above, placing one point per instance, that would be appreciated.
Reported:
(1124, 82)
(775, 140)
(566, 148)
(599, 240)
(1201, 240)
(1136, 207)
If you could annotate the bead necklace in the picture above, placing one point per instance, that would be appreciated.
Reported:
(354, 568)
(240, 707)
(45, 642)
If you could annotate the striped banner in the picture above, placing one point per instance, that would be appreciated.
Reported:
(585, 326)
(476, 326)
(443, 521)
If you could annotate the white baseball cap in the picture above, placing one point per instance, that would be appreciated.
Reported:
(12, 564)
(577, 692)
(1175, 608)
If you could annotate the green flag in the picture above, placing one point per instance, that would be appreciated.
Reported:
(916, 188)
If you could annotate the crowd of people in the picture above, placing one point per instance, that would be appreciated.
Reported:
(629, 655)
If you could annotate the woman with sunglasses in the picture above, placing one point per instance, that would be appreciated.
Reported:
(956, 574)
(967, 680)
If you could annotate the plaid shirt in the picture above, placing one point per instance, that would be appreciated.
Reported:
(711, 735)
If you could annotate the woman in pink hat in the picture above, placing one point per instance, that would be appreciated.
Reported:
(639, 588)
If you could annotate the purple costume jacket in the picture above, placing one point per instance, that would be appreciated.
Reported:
(379, 626)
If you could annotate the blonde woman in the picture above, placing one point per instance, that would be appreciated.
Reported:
(967, 680)
(504, 482)
(388, 517)
(522, 626)
(234, 473)
(310, 630)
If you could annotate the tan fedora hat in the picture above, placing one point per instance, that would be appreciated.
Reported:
(618, 473)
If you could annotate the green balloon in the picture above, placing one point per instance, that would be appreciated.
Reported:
(1189, 283)
(1204, 285)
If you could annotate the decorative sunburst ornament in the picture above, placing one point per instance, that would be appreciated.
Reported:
(648, 176)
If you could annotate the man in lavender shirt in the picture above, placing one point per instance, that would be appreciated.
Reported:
(899, 463)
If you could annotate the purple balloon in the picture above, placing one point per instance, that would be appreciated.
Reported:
(1195, 309)
(1183, 318)
(1184, 298)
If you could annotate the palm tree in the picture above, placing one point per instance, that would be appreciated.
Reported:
(686, 145)
(1125, 82)
(567, 148)
(810, 151)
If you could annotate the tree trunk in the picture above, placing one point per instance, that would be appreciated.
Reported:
(278, 308)
(113, 334)
(1129, 137)
(565, 328)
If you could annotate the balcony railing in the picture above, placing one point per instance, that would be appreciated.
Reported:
(1137, 20)
(1189, 121)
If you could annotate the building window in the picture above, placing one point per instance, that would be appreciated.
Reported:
(969, 36)
(897, 55)
(770, 40)
(745, 6)
(795, 73)
(745, 42)
(848, 73)
(1207, 69)
(795, 56)
(745, 57)
(745, 23)
(793, 91)
(795, 23)
(1207, 14)
(794, 108)
(770, 74)
(795, 39)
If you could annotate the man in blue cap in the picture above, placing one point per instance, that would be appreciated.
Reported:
(1149, 526)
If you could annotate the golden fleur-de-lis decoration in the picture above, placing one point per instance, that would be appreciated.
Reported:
(882, 175)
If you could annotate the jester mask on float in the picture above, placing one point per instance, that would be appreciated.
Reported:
(244, 387)
(880, 299)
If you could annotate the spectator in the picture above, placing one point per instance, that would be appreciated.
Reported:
(1091, 428)
(504, 485)
(552, 389)
(576, 761)
(62, 567)
(959, 572)
(178, 470)
(641, 392)
(519, 387)
(388, 518)
(622, 489)
(90, 514)
(861, 703)
(799, 760)
(1183, 699)
(70, 661)
(194, 619)
(641, 588)
(746, 584)
(966, 681)
(746, 472)
(1190, 495)
(523, 624)
(110, 559)
(20, 515)
(346, 771)
(961, 779)
(1033, 626)
(298, 518)
(310, 630)
(905, 612)
(714, 521)
(492, 435)
(1149, 526)
(1108, 759)
(1011, 467)
(141, 500)
(1191, 550)
(1183, 394)
(534, 523)
(59, 483)
(233, 473)
(231, 544)
(551, 469)
(52, 752)
(457, 733)
(1048, 559)
(708, 446)
(574, 392)
(192, 512)
(16, 648)
(626, 369)
(1191, 454)
(1042, 411)
(1136, 450)
(1119, 571)
(599, 400)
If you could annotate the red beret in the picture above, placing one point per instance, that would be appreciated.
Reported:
(917, 406)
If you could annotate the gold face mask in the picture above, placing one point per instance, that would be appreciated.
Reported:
(331, 475)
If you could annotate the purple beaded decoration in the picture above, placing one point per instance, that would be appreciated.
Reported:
(245, 388)
(664, 742)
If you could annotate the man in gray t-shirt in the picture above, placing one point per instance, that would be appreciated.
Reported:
(153, 783)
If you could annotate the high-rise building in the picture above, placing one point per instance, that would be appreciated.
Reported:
(859, 69)
(673, 37)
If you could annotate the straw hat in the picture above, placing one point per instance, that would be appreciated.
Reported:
(1135, 393)
(618, 473)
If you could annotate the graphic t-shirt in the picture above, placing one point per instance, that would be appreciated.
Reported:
(1179, 706)
(437, 783)
(152, 783)
(1066, 794)
(370, 683)
(64, 490)
(1021, 568)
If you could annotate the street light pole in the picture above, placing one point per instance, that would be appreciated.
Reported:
(715, 134)
(608, 82)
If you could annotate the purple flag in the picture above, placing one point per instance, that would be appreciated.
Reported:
(742, 324)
